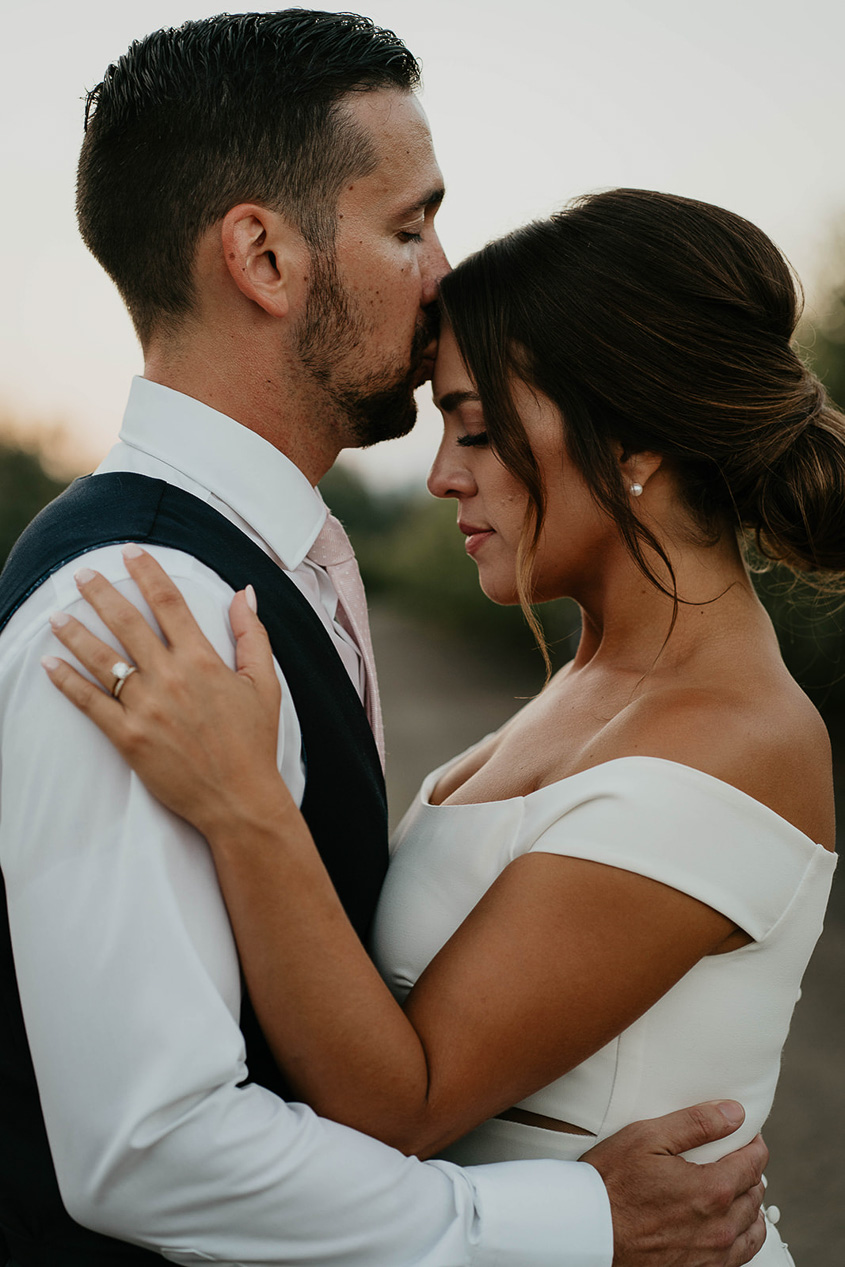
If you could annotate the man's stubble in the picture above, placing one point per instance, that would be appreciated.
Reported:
(376, 405)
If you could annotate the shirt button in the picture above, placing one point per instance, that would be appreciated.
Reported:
(773, 1214)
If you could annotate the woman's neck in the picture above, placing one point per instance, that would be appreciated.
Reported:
(628, 622)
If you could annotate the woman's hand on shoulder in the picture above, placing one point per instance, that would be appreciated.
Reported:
(201, 736)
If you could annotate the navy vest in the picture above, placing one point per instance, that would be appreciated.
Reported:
(344, 805)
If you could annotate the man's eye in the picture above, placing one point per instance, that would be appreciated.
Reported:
(406, 236)
(472, 440)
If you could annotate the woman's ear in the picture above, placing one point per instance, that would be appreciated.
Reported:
(637, 468)
(266, 256)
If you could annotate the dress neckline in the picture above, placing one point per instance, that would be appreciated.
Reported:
(677, 767)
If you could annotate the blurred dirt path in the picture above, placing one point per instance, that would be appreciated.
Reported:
(440, 694)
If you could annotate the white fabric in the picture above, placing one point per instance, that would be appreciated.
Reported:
(333, 551)
(719, 1032)
(128, 973)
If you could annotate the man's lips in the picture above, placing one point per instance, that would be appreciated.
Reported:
(475, 537)
(425, 369)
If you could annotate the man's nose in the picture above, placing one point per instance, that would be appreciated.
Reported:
(436, 267)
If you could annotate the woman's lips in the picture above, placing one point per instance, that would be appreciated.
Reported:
(475, 538)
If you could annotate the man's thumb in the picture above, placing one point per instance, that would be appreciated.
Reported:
(690, 1128)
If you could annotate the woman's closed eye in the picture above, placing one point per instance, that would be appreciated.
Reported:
(472, 439)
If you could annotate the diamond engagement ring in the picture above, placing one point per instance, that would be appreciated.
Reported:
(121, 672)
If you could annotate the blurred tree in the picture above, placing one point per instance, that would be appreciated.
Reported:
(362, 512)
(810, 626)
(24, 488)
(823, 343)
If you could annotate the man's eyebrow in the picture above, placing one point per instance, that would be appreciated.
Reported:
(452, 400)
(433, 198)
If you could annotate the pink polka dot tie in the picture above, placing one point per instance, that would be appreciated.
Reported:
(333, 551)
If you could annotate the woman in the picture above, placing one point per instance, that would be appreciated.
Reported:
(602, 911)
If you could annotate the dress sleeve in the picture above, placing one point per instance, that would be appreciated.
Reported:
(681, 827)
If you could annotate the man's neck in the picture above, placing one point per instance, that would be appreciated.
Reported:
(269, 405)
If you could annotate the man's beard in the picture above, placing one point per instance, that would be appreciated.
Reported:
(377, 407)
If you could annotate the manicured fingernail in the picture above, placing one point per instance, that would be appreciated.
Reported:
(734, 1112)
(251, 600)
(58, 619)
(50, 662)
(83, 575)
(132, 551)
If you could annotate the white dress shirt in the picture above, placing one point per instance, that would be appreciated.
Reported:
(129, 976)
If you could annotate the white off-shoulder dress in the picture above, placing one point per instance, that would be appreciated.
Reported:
(719, 1032)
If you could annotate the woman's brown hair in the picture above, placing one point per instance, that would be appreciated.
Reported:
(663, 325)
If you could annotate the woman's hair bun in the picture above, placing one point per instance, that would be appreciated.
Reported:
(797, 507)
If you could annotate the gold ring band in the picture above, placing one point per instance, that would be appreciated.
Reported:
(121, 672)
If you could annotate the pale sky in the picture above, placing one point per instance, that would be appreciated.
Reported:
(738, 102)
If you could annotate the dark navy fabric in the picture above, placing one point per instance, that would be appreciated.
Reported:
(344, 804)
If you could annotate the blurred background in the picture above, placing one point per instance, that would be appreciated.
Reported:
(739, 102)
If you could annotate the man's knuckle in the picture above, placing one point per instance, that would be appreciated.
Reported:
(724, 1237)
(724, 1196)
(745, 1247)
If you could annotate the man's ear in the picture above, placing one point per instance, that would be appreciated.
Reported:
(266, 256)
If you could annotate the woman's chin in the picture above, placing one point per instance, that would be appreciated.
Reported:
(500, 592)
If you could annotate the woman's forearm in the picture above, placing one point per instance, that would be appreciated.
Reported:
(333, 1026)
(558, 957)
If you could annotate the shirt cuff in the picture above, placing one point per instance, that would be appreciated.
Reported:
(541, 1214)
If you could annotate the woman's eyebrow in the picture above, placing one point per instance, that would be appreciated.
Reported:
(449, 402)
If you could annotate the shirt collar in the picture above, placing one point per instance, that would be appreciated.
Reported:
(235, 464)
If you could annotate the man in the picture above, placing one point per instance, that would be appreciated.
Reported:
(262, 189)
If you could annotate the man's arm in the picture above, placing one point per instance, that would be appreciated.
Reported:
(130, 988)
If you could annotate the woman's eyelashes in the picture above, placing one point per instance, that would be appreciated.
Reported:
(472, 439)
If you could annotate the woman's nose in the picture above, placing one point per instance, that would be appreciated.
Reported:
(449, 475)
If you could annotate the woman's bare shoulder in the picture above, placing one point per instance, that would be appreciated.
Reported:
(770, 743)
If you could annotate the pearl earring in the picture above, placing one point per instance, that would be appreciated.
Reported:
(635, 489)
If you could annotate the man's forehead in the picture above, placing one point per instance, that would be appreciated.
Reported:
(388, 111)
(397, 127)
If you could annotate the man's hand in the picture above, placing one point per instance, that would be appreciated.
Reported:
(668, 1212)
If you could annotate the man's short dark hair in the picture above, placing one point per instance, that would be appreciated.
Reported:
(192, 121)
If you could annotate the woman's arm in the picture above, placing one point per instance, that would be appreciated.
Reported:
(558, 957)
